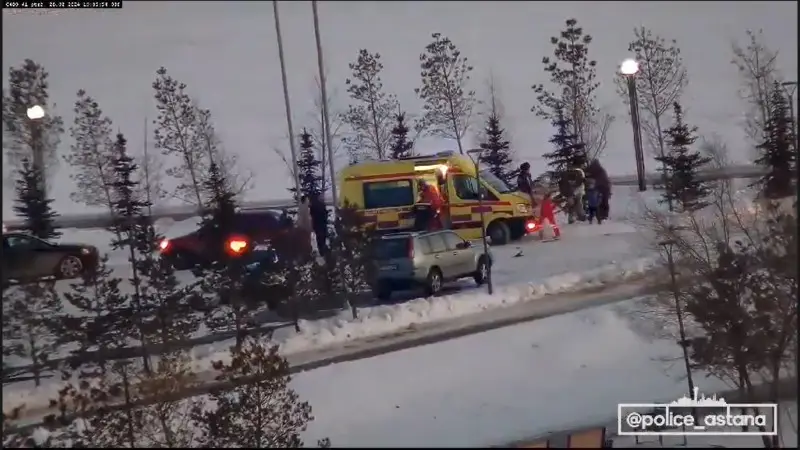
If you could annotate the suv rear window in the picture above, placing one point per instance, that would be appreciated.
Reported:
(391, 248)
(388, 194)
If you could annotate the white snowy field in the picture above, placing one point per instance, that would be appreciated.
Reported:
(226, 52)
(559, 373)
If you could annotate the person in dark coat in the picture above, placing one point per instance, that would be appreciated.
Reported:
(597, 172)
(524, 180)
(593, 199)
(319, 222)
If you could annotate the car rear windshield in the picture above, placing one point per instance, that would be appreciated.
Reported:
(388, 194)
(391, 248)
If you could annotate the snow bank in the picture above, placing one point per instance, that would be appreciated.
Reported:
(386, 319)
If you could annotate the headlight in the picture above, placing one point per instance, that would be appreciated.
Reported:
(522, 208)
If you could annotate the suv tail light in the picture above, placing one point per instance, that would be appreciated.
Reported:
(236, 246)
(411, 248)
(163, 245)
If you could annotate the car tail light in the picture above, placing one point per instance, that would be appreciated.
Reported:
(530, 226)
(163, 245)
(411, 248)
(237, 246)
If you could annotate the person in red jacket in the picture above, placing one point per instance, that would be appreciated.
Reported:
(548, 217)
(429, 195)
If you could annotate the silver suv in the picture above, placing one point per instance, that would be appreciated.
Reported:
(426, 259)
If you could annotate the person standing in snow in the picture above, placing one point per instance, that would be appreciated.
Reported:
(548, 217)
(593, 198)
(596, 171)
(524, 180)
(319, 223)
(304, 219)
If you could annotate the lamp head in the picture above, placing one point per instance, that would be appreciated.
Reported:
(35, 112)
(629, 67)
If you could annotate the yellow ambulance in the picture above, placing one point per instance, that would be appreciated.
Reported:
(385, 193)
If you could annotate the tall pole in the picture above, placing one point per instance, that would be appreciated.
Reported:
(38, 153)
(477, 161)
(792, 110)
(637, 132)
(295, 173)
(326, 120)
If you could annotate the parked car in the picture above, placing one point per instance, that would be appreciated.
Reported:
(252, 230)
(27, 258)
(427, 260)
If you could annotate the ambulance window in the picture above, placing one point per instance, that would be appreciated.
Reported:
(388, 194)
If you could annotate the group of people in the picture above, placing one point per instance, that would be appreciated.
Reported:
(583, 194)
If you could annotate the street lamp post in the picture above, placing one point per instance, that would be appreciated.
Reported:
(684, 342)
(475, 155)
(791, 87)
(325, 119)
(629, 68)
(35, 115)
(295, 172)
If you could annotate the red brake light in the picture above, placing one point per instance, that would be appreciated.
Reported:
(163, 245)
(531, 226)
(237, 246)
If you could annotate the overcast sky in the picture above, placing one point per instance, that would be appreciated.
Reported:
(226, 52)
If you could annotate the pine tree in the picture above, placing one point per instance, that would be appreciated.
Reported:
(497, 152)
(350, 265)
(130, 224)
(569, 151)
(33, 205)
(309, 167)
(574, 76)
(28, 85)
(447, 100)
(29, 313)
(776, 151)
(401, 146)
(104, 322)
(265, 412)
(91, 154)
(681, 165)
(222, 283)
(370, 118)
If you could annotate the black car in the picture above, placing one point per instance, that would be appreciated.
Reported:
(251, 233)
(27, 258)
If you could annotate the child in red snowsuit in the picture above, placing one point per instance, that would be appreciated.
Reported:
(548, 217)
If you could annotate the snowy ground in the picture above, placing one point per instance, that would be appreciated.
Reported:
(559, 373)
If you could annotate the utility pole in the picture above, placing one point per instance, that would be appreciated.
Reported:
(35, 115)
(325, 118)
(295, 172)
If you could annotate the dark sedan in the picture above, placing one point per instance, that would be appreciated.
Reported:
(251, 233)
(27, 258)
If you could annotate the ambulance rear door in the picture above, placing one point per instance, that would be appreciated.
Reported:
(389, 203)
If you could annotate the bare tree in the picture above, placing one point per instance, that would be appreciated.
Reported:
(575, 78)
(448, 102)
(91, 156)
(176, 127)
(370, 119)
(152, 174)
(660, 82)
(239, 179)
(24, 138)
(736, 265)
(757, 66)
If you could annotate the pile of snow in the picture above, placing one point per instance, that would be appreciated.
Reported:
(386, 319)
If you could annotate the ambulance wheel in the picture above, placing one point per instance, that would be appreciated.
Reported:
(498, 233)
